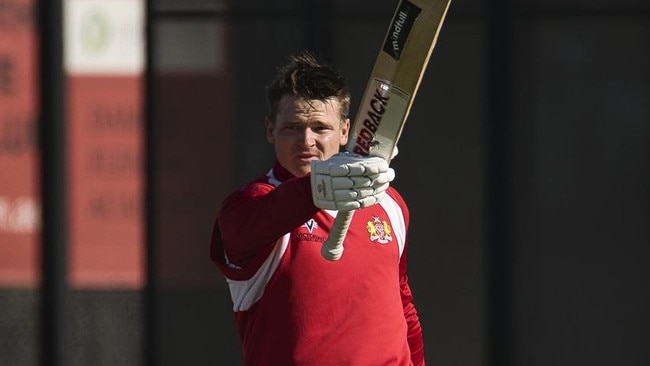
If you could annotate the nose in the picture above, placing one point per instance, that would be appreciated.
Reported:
(308, 137)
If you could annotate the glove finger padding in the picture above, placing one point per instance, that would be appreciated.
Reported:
(351, 165)
(384, 178)
(348, 181)
(360, 203)
(351, 182)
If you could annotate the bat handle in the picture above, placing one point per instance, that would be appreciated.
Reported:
(332, 249)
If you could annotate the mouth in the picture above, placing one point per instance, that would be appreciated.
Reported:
(307, 157)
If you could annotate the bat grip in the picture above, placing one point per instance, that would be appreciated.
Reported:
(332, 249)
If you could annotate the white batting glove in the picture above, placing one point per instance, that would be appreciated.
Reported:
(347, 181)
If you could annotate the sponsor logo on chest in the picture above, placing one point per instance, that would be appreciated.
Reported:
(310, 225)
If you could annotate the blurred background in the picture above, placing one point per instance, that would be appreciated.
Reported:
(525, 162)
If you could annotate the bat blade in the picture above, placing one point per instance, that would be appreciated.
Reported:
(390, 92)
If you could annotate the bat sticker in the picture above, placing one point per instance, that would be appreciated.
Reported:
(400, 29)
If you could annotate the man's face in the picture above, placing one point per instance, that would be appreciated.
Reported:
(306, 130)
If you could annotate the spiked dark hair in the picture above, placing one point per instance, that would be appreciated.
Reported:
(305, 77)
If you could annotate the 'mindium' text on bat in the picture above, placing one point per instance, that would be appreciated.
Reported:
(397, 29)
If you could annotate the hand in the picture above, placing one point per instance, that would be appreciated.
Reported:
(347, 181)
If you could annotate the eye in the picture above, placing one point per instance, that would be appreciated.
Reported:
(321, 128)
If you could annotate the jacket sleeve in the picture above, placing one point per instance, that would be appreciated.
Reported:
(253, 218)
(415, 340)
(414, 335)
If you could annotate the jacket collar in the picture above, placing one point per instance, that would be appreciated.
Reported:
(280, 173)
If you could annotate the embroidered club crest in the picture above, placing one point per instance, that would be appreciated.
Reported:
(379, 230)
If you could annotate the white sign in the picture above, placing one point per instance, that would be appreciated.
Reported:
(104, 37)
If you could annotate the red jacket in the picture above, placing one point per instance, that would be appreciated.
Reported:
(293, 307)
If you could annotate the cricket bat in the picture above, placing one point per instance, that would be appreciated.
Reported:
(389, 93)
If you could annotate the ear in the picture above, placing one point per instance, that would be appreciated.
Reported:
(270, 137)
(345, 131)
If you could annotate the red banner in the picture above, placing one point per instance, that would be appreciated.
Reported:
(103, 60)
(106, 174)
(19, 202)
